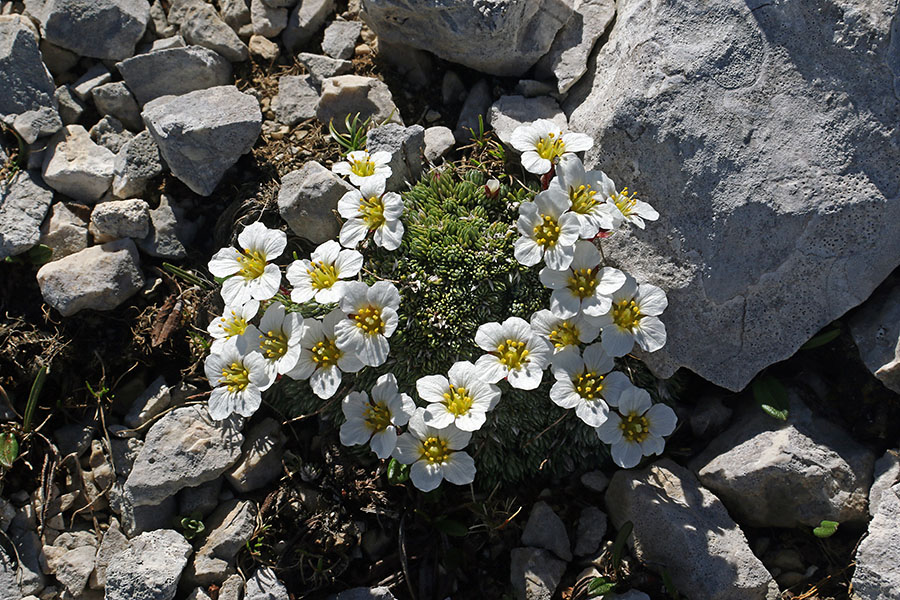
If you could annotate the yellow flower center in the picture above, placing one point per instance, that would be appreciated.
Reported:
(547, 233)
(364, 167)
(236, 377)
(624, 202)
(582, 283)
(551, 146)
(325, 353)
(377, 416)
(583, 199)
(435, 450)
(588, 385)
(372, 210)
(274, 344)
(457, 400)
(635, 428)
(253, 264)
(322, 276)
(512, 354)
(234, 326)
(565, 334)
(626, 314)
(369, 320)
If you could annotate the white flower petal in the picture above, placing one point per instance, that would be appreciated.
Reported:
(431, 388)
(426, 476)
(459, 469)
(527, 377)
(384, 442)
(325, 381)
(407, 449)
(626, 454)
(662, 420)
(352, 233)
(650, 334)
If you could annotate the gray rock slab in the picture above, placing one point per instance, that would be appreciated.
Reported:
(115, 219)
(106, 29)
(232, 588)
(876, 576)
(406, 146)
(141, 519)
(72, 568)
(25, 84)
(159, 23)
(595, 481)
(202, 499)
(350, 94)
(164, 239)
(229, 527)
(70, 106)
(115, 99)
(176, 41)
(534, 574)
(174, 72)
(439, 141)
(509, 112)
(151, 402)
(38, 123)
(201, 25)
(305, 21)
(340, 39)
(567, 58)
(696, 110)
(24, 202)
(477, 104)
(321, 67)
(772, 473)
(136, 164)
(99, 278)
(546, 530)
(876, 331)
(887, 474)
(307, 200)
(77, 167)
(668, 508)
(260, 462)
(236, 13)
(267, 21)
(503, 37)
(114, 542)
(111, 134)
(149, 569)
(264, 585)
(183, 449)
(296, 100)
(58, 60)
(263, 47)
(203, 133)
(97, 75)
(591, 529)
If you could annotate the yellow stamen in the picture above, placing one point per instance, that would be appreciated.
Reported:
(274, 344)
(626, 314)
(364, 167)
(372, 210)
(457, 400)
(565, 334)
(236, 377)
(321, 275)
(547, 233)
(588, 385)
(435, 450)
(234, 326)
(512, 354)
(253, 264)
(582, 283)
(377, 416)
(583, 199)
(635, 428)
(369, 320)
(624, 202)
(550, 147)
(326, 353)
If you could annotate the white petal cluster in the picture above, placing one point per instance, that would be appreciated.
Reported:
(375, 421)
(564, 334)
(638, 429)
(585, 287)
(514, 353)
(320, 360)
(235, 321)
(462, 398)
(587, 193)
(543, 142)
(371, 318)
(371, 209)
(435, 454)
(238, 377)
(250, 276)
(587, 383)
(362, 167)
(548, 232)
(633, 316)
(321, 276)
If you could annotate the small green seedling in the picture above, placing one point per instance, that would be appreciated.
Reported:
(9, 450)
(823, 338)
(192, 526)
(619, 544)
(826, 529)
(771, 397)
(397, 473)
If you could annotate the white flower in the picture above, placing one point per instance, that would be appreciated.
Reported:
(237, 376)
(586, 384)
(320, 277)
(371, 319)
(587, 192)
(370, 209)
(375, 421)
(234, 322)
(564, 335)
(435, 454)
(542, 142)
(633, 317)
(584, 287)
(361, 166)
(280, 333)
(514, 352)
(547, 230)
(639, 431)
(320, 359)
(462, 400)
(631, 209)
(249, 274)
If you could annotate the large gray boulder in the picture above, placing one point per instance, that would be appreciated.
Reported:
(876, 331)
(24, 202)
(174, 71)
(25, 84)
(877, 576)
(106, 29)
(772, 473)
(202, 133)
(501, 37)
(149, 569)
(765, 133)
(307, 200)
(683, 529)
(229, 527)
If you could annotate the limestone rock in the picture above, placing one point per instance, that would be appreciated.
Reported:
(176, 41)
(296, 99)
(57, 60)
(876, 331)
(25, 84)
(70, 106)
(771, 226)
(117, 219)
(567, 59)
(232, 589)
(340, 39)
(115, 99)
(546, 530)
(509, 112)
(876, 576)
(149, 569)
(534, 573)
(321, 67)
(77, 167)
(71, 566)
(174, 72)
(202, 133)
(439, 141)
(183, 449)
(591, 529)
(164, 239)
(236, 13)
(307, 201)
(263, 47)
(136, 164)
(151, 402)
(260, 462)
(350, 94)
(887, 474)
(264, 585)
(267, 21)
(667, 506)
(477, 104)
(406, 146)
(96, 76)
(502, 37)
(230, 526)
(38, 123)
(304, 22)
(24, 202)
(202, 499)
(114, 541)
(100, 277)
(786, 474)
(111, 134)
(106, 29)
(201, 25)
